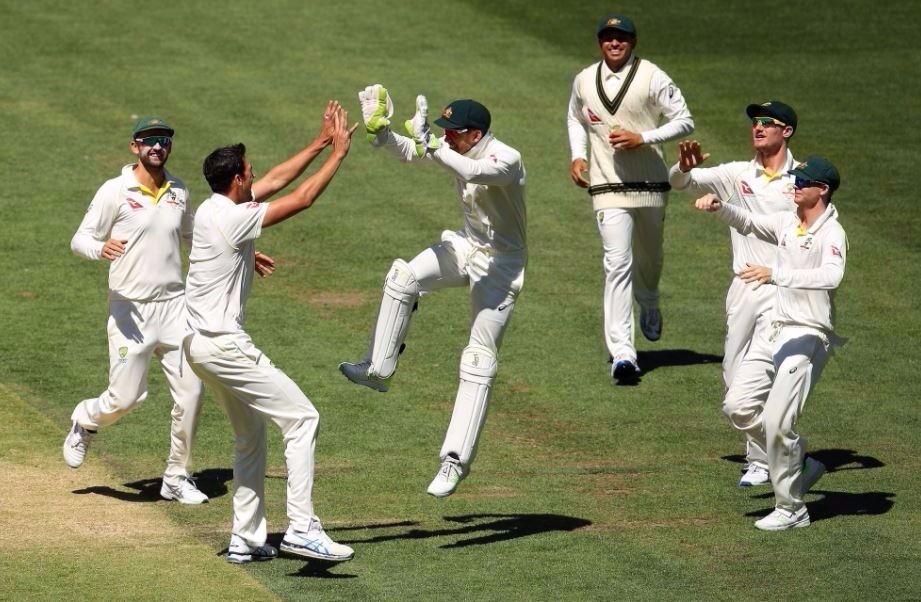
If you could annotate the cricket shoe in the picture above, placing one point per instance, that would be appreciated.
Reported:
(625, 370)
(185, 492)
(315, 543)
(651, 323)
(358, 374)
(781, 520)
(238, 552)
(812, 472)
(754, 476)
(76, 444)
(449, 475)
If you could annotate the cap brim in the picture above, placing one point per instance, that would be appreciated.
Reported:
(759, 111)
(447, 125)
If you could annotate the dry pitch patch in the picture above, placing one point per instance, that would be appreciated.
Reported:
(61, 544)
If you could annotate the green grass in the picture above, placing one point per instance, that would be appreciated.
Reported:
(581, 490)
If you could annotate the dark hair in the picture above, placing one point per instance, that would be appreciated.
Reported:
(222, 165)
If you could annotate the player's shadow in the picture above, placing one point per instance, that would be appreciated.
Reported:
(650, 360)
(482, 528)
(837, 503)
(212, 482)
(835, 460)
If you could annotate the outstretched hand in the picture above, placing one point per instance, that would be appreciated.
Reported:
(342, 133)
(326, 127)
(709, 203)
(690, 155)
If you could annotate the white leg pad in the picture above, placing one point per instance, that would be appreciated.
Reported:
(397, 303)
(477, 372)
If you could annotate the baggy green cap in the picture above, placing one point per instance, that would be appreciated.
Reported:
(147, 124)
(773, 108)
(463, 114)
(818, 169)
(617, 21)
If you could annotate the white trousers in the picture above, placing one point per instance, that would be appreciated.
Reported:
(138, 331)
(631, 240)
(251, 390)
(767, 396)
(747, 311)
(494, 281)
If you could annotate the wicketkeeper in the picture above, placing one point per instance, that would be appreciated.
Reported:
(487, 255)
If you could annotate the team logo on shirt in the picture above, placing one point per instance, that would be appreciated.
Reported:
(122, 355)
(172, 198)
(806, 243)
(134, 204)
(745, 188)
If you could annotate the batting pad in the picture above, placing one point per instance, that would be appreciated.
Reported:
(477, 372)
(397, 302)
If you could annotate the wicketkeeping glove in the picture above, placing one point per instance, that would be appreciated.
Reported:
(418, 128)
(376, 109)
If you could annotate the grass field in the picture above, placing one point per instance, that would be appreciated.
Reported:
(582, 490)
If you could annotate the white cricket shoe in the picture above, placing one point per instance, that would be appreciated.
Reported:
(781, 520)
(185, 492)
(449, 475)
(76, 444)
(315, 543)
(812, 472)
(358, 374)
(238, 552)
(651, 323)
(755, 475)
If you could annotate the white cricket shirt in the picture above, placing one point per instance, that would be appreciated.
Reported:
(153, 222)
(222, 264)
(809, 266)
(746, 185)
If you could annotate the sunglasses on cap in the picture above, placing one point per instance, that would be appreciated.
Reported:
(163, 141)
(767, 122)
(803, 183)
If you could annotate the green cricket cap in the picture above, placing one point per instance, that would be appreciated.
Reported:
(818, 169)
(465, 114)
(617, 21)
(148, 124)
(773, 108)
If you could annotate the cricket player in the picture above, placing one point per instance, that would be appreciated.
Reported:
(784, 362)
(623, 108)
(136, 222)
(487, 255)
(245, 383)
(761, 186)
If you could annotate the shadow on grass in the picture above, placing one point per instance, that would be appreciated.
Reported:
(834, 459)
(485, 528)
(838, 503)
(650, 360)
(212, 482)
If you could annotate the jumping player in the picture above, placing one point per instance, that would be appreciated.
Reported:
(487, 256)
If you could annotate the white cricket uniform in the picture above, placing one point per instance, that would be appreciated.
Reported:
(488, 256)
(146, 305)
(786, 359)
(245, 383)
(748, 306)
(629, 188)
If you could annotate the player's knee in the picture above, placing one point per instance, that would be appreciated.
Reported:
(123, 401)
(740, 415)
(478, 364)
(401, 281)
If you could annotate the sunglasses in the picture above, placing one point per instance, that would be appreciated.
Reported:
(767, 122)
(802, 183)
(163, 141)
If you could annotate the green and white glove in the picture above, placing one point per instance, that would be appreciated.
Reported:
(418, 128)
(376, 109)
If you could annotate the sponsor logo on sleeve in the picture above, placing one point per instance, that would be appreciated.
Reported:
(836, 251)
(745, 188)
